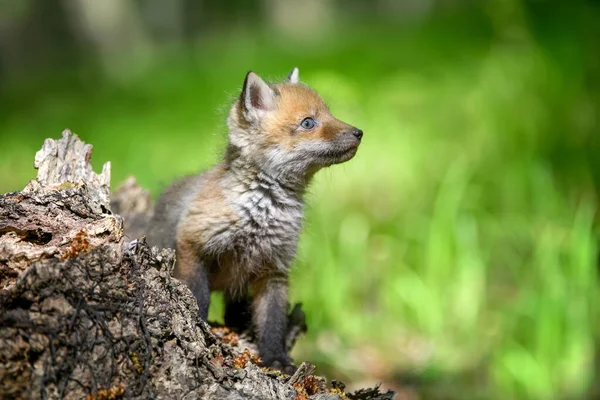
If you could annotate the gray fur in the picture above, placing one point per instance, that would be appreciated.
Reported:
(270, 218)
(169, 209)
(264, 239)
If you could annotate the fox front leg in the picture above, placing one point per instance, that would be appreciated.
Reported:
(269, 306)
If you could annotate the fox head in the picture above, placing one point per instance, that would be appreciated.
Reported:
(286, 128)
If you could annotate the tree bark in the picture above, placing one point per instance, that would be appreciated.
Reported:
(87, 313)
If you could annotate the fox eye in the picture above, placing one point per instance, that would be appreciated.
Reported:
(308, 123)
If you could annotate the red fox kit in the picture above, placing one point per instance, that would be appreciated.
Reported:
(235, 227)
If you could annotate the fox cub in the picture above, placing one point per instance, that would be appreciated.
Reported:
(235, 227)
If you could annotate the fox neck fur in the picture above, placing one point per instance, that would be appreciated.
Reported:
(269, 212)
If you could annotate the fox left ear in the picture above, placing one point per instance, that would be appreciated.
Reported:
(294, 76)
(257, 97)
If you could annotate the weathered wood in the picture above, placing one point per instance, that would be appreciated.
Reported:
(67, 197)
(87, 313)
(134, 204)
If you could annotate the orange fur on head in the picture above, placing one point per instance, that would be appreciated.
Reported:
(294, 103)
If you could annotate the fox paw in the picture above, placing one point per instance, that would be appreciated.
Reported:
(284, 366)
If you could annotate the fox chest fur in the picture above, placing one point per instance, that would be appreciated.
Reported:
(242, 228)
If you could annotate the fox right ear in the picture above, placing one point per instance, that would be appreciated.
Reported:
(294, 76)
(257, 97)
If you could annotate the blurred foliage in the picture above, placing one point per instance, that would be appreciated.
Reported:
(457, 252)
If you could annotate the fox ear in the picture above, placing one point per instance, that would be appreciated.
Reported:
(294, 76)
(257, 97)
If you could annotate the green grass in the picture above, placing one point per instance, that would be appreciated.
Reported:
(459, 244)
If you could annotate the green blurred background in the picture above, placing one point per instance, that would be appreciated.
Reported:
(456, 255)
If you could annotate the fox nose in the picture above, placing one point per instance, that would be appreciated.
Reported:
(357, 133)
